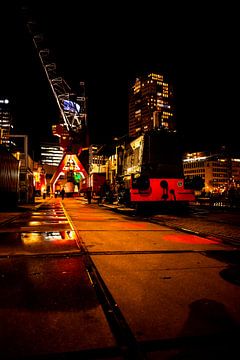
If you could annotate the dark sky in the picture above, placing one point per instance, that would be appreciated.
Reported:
(108, 45)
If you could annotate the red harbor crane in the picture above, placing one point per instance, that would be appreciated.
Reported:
(72, 128)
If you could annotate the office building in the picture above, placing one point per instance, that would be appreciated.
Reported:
(5, 122)
(150, 105)
(219, 172)
(51, 154)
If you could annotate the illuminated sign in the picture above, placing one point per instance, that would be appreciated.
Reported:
(137, 142)
(71, 106)
(156, 76)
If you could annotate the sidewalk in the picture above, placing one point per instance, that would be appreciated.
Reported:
(204, 226)
(8, 215)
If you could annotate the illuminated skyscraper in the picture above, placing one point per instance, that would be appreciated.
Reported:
(51, 154)
(150, 105)
(5, 122)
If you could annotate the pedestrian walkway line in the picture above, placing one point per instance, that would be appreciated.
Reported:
(71, 225)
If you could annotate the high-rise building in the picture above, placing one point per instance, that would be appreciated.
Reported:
(51, 154)
(5, 122)
(150, 105)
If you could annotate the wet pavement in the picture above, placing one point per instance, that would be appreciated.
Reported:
(48, 307)
(172, 287)
(218, 223)
(47, 302)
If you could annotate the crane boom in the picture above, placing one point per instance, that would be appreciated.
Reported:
(72, 129)
(72, 108)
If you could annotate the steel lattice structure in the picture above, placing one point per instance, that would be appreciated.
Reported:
(73, 120)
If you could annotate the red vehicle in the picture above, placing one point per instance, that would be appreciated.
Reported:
(152, 171)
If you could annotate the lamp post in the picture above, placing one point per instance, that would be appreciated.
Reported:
(120, 152)
(120, 147)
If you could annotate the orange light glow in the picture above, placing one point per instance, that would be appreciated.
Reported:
(189, 239)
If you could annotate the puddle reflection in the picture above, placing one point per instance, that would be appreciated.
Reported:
(33, 237)
(50, 221)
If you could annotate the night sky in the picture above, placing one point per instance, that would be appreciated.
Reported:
(108, 46)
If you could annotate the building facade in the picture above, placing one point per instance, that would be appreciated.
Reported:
(219, 172)
(51, 154)
(150, 105)
(6, 123)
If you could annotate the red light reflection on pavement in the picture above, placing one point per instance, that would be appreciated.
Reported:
(134, 226)
(189, 239)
